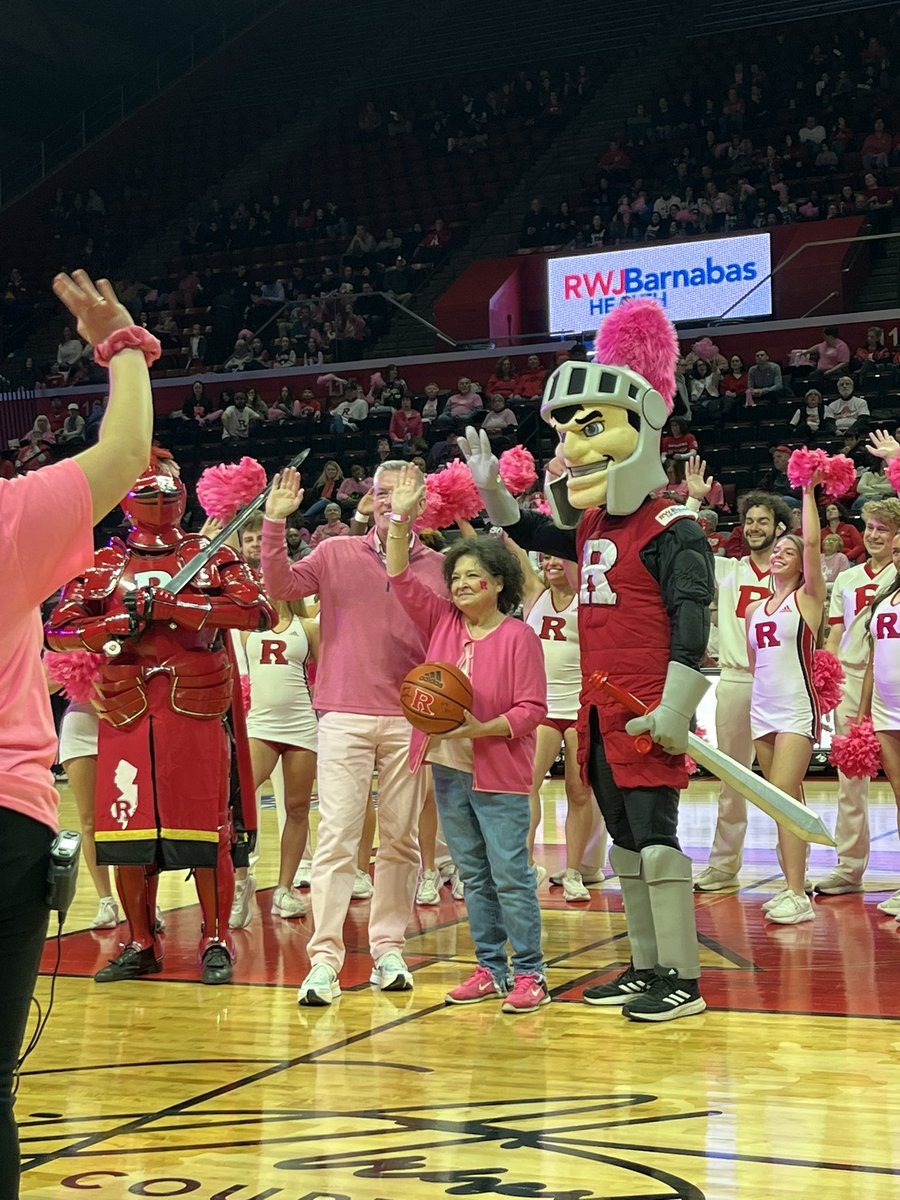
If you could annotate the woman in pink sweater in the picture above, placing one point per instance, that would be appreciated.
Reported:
(482, 770)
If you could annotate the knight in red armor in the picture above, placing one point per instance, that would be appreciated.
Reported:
(646, 583)
(163, 694)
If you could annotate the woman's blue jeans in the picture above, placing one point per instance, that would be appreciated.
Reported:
(487, 833)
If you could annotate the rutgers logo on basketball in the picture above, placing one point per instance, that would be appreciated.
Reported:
(421, 702)
(597, 560)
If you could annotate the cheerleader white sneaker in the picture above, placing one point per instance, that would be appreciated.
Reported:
(362, 886)
(320, 987)
(429, 889)
(107, 914)
(391, 973)
(573, 886)
(288, 904)
(791, 909)
(303, 874)
(242, 906)
(891, 905)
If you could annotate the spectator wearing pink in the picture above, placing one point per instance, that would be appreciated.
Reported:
(499, 418)
(464, 401)
(482, 770)
(832, 355)
(356, 485)
(504, 381)
(333, 527)
(532, 379)
(364, 659)
(406, 423)
(834, 560)
(54, 510)
(430, 407)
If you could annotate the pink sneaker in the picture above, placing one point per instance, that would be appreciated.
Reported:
(480, 986)
(528, 992)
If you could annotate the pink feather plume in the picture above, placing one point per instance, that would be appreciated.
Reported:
(75, 672)
(857, 754)
(517, 469)
(640, 336)
(225, 488)
(828, 679)
(892, 470)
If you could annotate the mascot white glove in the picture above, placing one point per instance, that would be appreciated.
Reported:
(669, 723)
(502, 508)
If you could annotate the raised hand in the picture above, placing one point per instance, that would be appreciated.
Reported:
(286, 495)
(698, 486)
(883, 445)
(94, 306)
(483, 463)
(409, 491)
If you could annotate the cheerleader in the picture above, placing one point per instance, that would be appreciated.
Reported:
(550, 607)
(282, 728)
(78, 755)
(881, 688)
(784, 712)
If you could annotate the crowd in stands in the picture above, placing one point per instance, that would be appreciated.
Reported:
(797, 130)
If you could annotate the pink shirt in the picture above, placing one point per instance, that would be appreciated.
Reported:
(508, 680)
(459, 405)
(832, 356)
(368, 642)
(338, 529)
(46, 522)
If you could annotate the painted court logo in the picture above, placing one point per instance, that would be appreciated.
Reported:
(693, 280)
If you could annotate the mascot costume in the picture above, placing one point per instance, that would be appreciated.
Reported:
(646, 584)
(163, 693)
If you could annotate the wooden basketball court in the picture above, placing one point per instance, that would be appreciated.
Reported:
(788, 1086)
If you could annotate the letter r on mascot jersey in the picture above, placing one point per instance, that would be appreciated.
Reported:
(646, 581)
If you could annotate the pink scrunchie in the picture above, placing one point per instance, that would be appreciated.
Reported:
(133, 337)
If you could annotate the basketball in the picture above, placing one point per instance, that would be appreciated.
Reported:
(435, 697)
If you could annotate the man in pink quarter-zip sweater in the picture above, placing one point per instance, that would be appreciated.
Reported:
(368, 646)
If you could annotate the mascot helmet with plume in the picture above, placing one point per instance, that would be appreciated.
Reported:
(609, 414)
(156, 503)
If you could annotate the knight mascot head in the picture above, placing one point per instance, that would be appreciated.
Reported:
(156, 503)
(609, 415)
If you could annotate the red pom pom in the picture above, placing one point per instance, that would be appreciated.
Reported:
(803, 464)
(640, 336)
(245, 692)
(892, 470)
(839, 476)
(517, 470)
(75, 672)
(828, 679)
(225, 488)
(858, 753)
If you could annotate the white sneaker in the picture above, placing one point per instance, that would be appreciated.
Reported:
(107, 914)
(303, 874)
(591, 876)
(320, 987)
(362, 886)
(391, 973)
(774, 901)
(447, 869)
(573, 886)
(286, 903)
(712, 880)
(540, 874)
(891, 905)
(837, 885)
(457, 887)
(792, 909)
(429, 889)
(241, 911)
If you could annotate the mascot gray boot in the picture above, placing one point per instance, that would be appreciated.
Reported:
(641, 973)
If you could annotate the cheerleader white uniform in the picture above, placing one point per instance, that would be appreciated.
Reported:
(558, 633)
(885, 631)
(78, 732)
(280, 701)
(783, 699)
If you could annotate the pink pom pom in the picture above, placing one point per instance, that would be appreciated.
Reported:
(517, 469)
(75, 672)
(706, 348)
(892, 470)
(542, 506)
(434, 515)
(828, 679)
(858, 753)
(640, 336)
(462, 500)
(839, 476)
(803, 464)
(245, 692)
(225, 488)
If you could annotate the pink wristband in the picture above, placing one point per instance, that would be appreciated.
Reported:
(133, 337)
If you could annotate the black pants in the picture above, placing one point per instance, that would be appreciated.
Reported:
(635, 817)
(24, 916)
